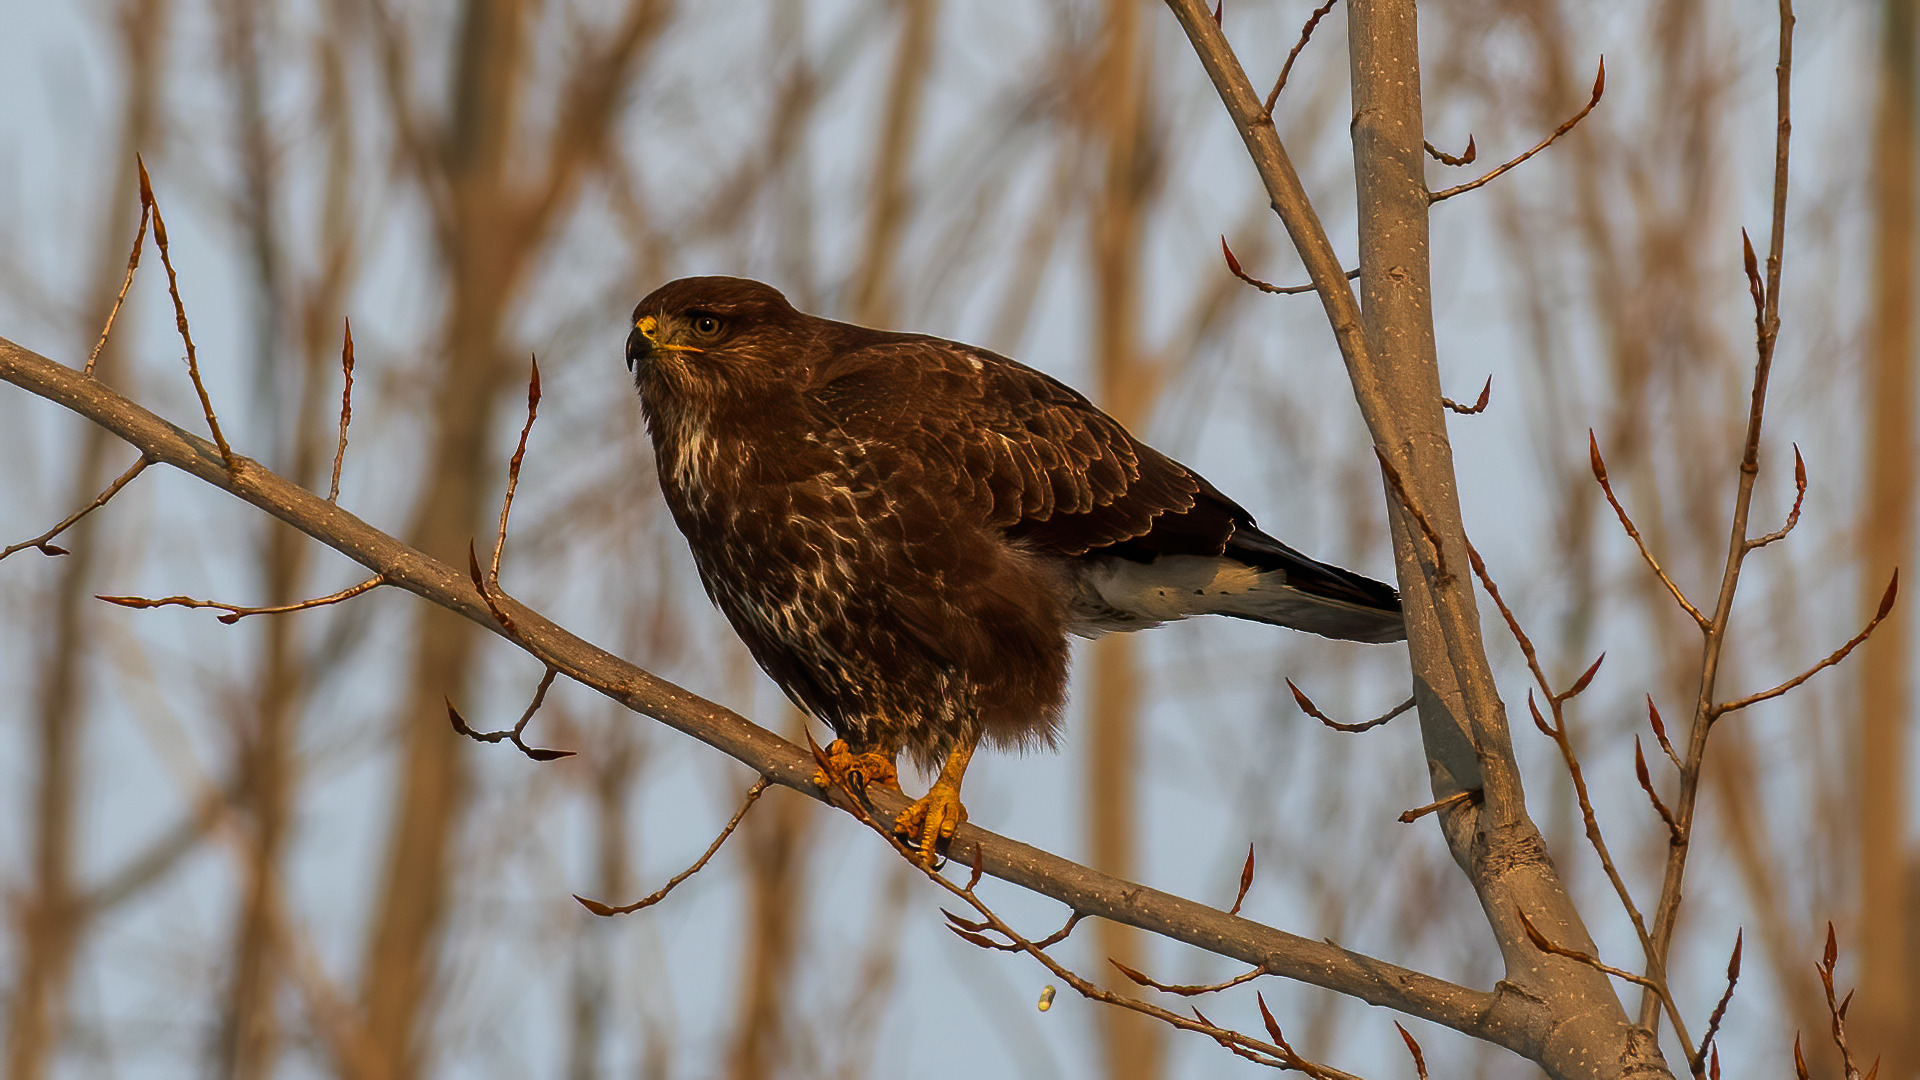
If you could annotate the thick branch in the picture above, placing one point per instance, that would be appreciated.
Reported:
(1502, 1018)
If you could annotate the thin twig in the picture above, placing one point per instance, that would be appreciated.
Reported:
(753, 794)
(1185, 990)
(1479, 405)
(1306, 34)
(1720, 1010)
(346, 411)
(1233, 266)
(235, 612)
(1599, 87)
(1766, 335)
(515, 733)
(1563, 741)
(1626, 522)
(126, 283)
(43, 541)
(1660, 733)
(1466, 157)
(1832, 658)
(1835, 1008)
(1246, 882)
(180, 315)
(1793, 515)
(1441, 574)
(1419, 1059)
(513, 470)
(1307, 706)
(975, 932)
(1474, 795)
(1657, 986)
(1645, 777)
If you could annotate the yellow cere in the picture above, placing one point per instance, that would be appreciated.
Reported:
(647, 325)
(1046, 997)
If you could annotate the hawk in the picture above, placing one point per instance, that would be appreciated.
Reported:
(904, 530)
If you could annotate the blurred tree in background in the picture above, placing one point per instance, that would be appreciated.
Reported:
(259, 850)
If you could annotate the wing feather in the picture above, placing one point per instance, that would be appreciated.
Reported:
(1030, 453)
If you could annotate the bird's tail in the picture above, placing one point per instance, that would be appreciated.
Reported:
(1303, 593)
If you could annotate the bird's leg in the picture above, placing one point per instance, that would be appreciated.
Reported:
(927, 826)
(856, 772)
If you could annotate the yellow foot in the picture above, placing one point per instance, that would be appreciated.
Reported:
(856, 772)
(927, 827)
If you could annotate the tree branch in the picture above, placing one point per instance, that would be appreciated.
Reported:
(1506, 1019)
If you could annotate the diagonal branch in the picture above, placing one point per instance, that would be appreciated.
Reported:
(45, 540)
(1599, 87)
(1626, 522)
(1501, 1018)
(1832, 658)
(753, 795)
(236, 612)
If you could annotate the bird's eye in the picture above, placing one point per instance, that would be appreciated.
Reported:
(706, 326)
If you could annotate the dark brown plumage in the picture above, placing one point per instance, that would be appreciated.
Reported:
(904, 529)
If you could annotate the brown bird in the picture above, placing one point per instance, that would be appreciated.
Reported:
(904, 530)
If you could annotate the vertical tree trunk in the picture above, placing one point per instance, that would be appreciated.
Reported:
(1120, 122)
(49, 915)
(482, 255)
(1885, 1007)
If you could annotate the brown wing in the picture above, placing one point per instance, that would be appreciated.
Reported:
(1025, 452)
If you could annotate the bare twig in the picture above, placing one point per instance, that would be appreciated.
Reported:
(1563, 741)
(1657, 986)
(1836, 1008)
(235, 612)
(753, 795)
(1479, 405)
(1466, 157)
(1419, 1059)
(1626, 522)
(1599, 87)
(126, 283)
(1306, 34)
(44, 540)
(1473, 795)
(1233, 267)
(1793, 515)
(1766, 334)
(514, 734)
(1441, 574)
(1307, 706)
(1720, 1010)
(1185, 990)
(1646, 784)
(1246, 882)
(513, 471)
(346, 411)
(180, 313)
(1660, 733)
(1832, 658)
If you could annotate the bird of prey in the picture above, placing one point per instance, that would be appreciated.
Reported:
(904, 530)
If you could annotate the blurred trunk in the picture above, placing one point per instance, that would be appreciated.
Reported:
(49, 914)
(481, 256)
(775, 844)
(1885, 1018)
(1121, 122)
(497, 193)
(874, 294)
(616, 762)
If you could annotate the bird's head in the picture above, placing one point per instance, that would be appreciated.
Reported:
(700, 339)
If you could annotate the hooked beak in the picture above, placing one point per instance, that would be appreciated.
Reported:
(640, 343)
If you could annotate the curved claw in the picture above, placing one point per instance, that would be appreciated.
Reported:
(927, 827)
(856, 772)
